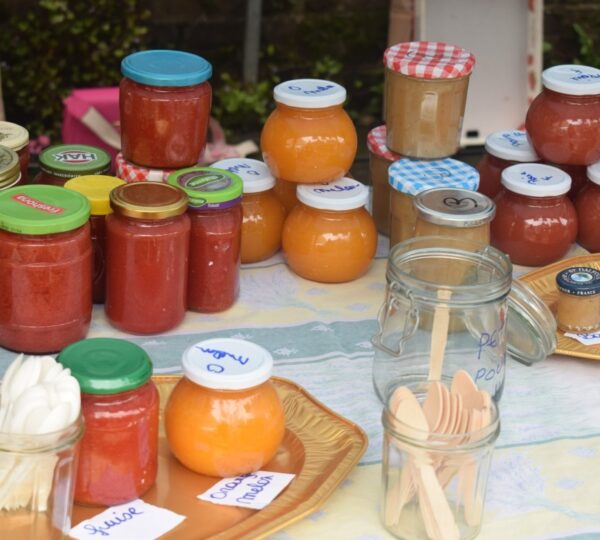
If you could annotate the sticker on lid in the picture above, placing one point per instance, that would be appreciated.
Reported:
(309, 93)
(342, 194)
(255, 174)
(511, 145)
(377, 144)
(71, 160)
(536, 180)
(579, 281)
(572, 79)
(130, 172)
(593, 173)
(208, 187)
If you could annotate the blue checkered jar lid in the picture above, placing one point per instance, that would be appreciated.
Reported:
(412, 176)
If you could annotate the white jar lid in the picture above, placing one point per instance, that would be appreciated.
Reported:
(342, 194)
(572, 79)
(536, 180)
(227, 364)
(511, 145)
(255, 174)
(593, 173)
(309, 93)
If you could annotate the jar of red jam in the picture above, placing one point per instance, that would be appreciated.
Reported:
(165, 100)
(147, 245)
(563, 122)
(535, 222)
(587, 206)
(578, 174)
(502, 149)
(45, 268)
(16, 138)
(10, 172)
(215, 213)
(119, 450)
(96, 188)
(62, 162)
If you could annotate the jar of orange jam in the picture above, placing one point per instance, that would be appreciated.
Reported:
(309, 138)
(330, 237)
(224, 417)
(286, 193)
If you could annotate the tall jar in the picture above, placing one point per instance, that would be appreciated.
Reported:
(148, 237)
(45, 268)
(165, 100)
(119, 450)
(309, 137)
(425, 94)
(215, 213)
(587, 206)
(16, 138)
(10, 172)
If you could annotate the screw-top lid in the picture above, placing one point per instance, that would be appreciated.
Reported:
(106, 365)
(227, 364)
(309, 93)
(166, 68)
(208, 187)
(536, 180)
(10, 170)
(377, 144)
(593, 173)
(579, 281)
(148, 201)
(342, 194)
(255, 174)
(96, 188)
(13, 136)
(42, 209)
(130, 172)
(412, 176)
(70, 160)
(511, 145)
(572, 79)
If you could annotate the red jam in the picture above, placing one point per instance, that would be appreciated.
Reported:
(587, 205)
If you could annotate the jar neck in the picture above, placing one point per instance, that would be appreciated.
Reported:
(313, 113)
(328, 212)
(571, 99)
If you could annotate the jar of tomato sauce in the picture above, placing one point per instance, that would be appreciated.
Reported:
(16, 138)
(45, 268)
(587, 206)
(215, 213)
(118, 455)
(535, 222)
(10, 172)
(263, 212)
(563, 122)
(62, 162)
(330, 237)
(309, 137)
(165, 100)
(224, 417)
(97, 188)
(502, 149)
(147, 245)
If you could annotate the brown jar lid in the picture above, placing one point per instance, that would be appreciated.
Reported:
(145, 200)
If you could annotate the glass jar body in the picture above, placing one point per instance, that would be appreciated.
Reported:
(479, 233)
(98, 233)
(403, 217)
(378, 167)
(578, 314)
(490, 174)
(46, 177)
(587, 206)
(286, 193)
(24, 156)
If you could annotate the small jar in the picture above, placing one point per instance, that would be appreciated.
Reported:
(130, 172)
(424, 97)
(97, 188)
(563, 122)
(16, 138)
(535, 222)
(587, 206)
(224, 417)
(45, 268)
(165, 100)
(408, 177)
(10, 172)
(147, 240)
(309, 138)
(120, 404)
(578, 306)
(380, 159)
(286, 193)
(62, 162)
(330, 237)
(502, 149)
(263, 212)
(215, 213)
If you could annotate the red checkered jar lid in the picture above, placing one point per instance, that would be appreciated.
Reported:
(130, 172)
(377, 144)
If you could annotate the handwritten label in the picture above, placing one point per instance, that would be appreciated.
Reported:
(218, 354)
(334, 189)
(253, 490)
(320, 88)
(514, 138)
(135, 519)
(581, 75)
(533, 179)
(243, 168)
(585, 339)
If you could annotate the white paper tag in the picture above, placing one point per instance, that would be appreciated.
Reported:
(585, 339)
(253, 490)
(135, 519)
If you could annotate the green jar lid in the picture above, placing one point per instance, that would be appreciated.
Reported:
(42, 209)
(208, 187)
(70, 160)
(107, 365)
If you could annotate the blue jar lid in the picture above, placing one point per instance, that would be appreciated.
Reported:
(166, 68)
(579, 281)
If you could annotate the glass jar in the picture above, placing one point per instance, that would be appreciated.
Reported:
(96, 188)
(129, 172)
(215, 237)
(147, 245)
(408, 177)
(286, 193)
(535, 222)
(563, 122)
(119, 450)
(45, 268)
(263, 213)
(10, 173)
(425, 94)
(578, 174)
(16, 138)
(502, 149)
(587, 206)
(224, 417)
(309, 138)
(578, 306)
(165, 100)
(330, 236)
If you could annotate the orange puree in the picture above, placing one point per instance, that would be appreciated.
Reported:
(286, 193)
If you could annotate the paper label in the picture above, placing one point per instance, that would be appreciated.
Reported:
(253, 490)
(585, 339)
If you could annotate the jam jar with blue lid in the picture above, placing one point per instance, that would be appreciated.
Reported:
(578, 307)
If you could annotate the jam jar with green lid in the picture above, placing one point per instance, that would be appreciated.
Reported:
(16, 138)
(62, 162)
(10, 171)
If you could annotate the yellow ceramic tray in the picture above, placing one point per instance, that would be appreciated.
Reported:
(319, 446)
(543, 282)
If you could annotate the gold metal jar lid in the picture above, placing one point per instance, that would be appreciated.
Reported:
(9, 167)
(146, 200)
